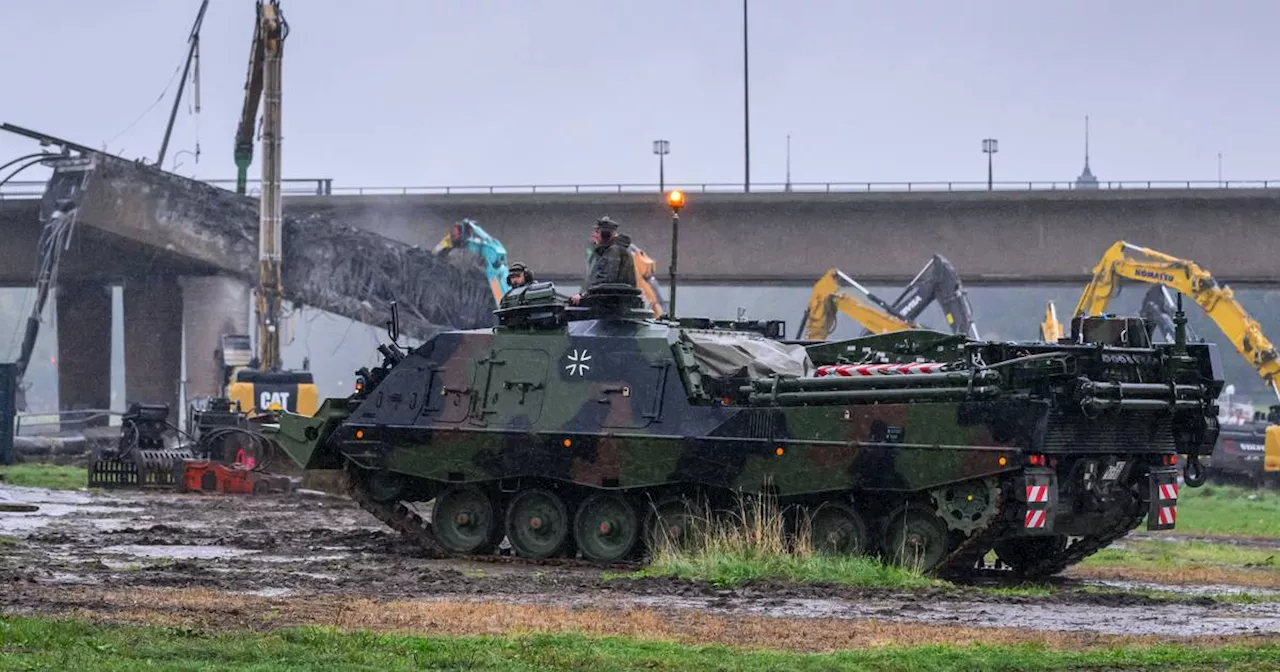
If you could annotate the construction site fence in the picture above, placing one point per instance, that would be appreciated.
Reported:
(325, 187)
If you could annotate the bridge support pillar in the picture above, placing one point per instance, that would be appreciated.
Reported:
(212, 306)
(84, 347)
(153, 341)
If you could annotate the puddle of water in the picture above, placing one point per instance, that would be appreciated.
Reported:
(1207, 589)
(270, 592)
(301, 558)
(178, 552)
(315, 575)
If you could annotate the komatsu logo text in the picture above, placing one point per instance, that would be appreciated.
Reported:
(1154, 275)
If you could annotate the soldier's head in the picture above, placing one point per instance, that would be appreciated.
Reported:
(605, 230)
(519, 275)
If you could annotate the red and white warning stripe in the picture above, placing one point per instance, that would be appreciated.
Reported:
(878, 369)
(1037, 493)
(1168, 514)
(1035, 518)
(1169, 491)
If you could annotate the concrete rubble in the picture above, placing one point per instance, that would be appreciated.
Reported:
(327, 264)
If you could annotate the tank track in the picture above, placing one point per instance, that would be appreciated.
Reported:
(962, 562)
(1085, 547)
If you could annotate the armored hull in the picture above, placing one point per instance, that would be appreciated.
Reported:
(593, 429)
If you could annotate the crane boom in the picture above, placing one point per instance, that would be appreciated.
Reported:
(264, 82)
(1125, 261)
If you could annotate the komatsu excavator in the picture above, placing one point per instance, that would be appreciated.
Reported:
(1123, 261)
(262, 386)
(937, 281)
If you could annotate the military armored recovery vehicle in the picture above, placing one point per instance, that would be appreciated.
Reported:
(591, 429)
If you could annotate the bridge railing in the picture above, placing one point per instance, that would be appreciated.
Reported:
(324, 187)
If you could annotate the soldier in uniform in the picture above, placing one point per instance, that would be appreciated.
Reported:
(519, 275)
(612, 263)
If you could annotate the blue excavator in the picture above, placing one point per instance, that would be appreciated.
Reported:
(467, 235)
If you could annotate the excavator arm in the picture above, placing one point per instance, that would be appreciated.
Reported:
(1131, 262)
(269, 33)
(826, 300)
(938, 281)
(1050, 328)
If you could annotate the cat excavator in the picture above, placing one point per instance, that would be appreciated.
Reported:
(263, 385)
(1124, 261)
(936, 281)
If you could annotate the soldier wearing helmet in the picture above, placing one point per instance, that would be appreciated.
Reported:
(611, 263)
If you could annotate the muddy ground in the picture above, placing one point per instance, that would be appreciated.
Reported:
(223, 560)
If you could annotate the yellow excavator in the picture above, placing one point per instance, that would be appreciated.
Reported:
(1123, 261)
(263, 386)
(937, 281)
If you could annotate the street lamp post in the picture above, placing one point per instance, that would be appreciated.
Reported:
(675, 199)
(989, 147)
(661, 148)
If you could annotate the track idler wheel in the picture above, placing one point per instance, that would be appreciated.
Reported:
(606, 528)
(464, 521)
(837, 529)
(916, 538)
(537, 523)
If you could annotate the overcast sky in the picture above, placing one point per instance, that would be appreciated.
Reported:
(411, 92)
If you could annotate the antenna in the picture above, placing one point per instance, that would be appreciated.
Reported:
(393, 325)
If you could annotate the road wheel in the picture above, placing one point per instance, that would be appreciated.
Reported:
(837, 529)
(537, 523)
(915, 538)
(464, 521)
(605, 528)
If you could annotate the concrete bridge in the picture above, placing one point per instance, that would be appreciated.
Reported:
(996, 237)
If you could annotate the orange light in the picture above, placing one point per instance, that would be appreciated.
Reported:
(1004, 461)
(567, 443)
(779, 451)
(675, 199)
(359, 433)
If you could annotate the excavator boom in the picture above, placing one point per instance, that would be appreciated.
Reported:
(1123, 261)
(938, 281)
(826, 300)
(268, 33)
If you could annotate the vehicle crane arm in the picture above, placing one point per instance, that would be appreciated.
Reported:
(268, 34)
(1125, 261)
(938, 281)
(826, 300)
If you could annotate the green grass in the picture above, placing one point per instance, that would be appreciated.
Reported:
(58, 477)
(1164, 554)
(32, 644)
(753, 544)
(1228, 510)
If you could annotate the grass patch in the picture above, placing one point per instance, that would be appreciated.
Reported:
(756, 543)
(27, 643)
(1191, 562)
(1229, 510)
(55, 476)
